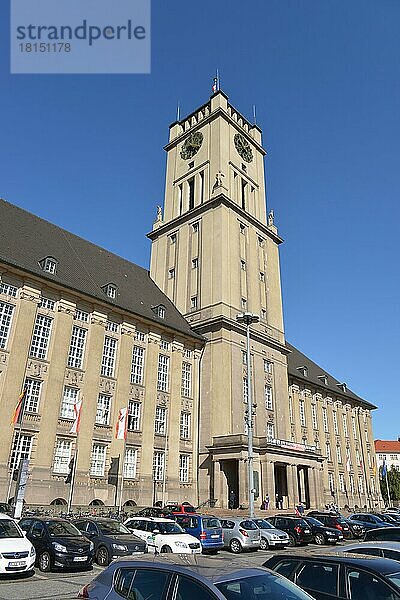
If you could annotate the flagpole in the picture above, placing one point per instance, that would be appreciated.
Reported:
(387, 486)
(18, 454)
(71, 487)
(164, 483)
(121, 489)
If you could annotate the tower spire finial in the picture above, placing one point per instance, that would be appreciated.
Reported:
(178, 110)
(216, 82)
(254, 115)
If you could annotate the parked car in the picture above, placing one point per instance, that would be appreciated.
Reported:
(240, 534)
(356, 529)
(111, 539)
(17, 554)
(395, 516)
(6, 509)
(338, 576)
(369, 521)
(58, 543)
(322, 534)
(387, 518)
(330, 519)
(163, 535)
(205, 528)
(384, 549)
(176, 508)
(389, 534)
(297, 529)
(190, 580)
(270, 536)
(151, 511)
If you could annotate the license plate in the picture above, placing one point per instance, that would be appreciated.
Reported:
(17, 563)
(306, 531)
(215, 535)
(80, 558)
(256, 541)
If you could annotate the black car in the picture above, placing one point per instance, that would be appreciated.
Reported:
(340, 577)
(6, 509)
(383, 534)
(322, 534)
(151, 511)
(356, 529)
(332, 520)
(111, 539)
(58, 543)
(297, 528)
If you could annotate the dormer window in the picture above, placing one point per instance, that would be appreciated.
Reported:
(303, 370)
(172, 238)
(111, 290)
(323, 378)
(49, 265)
(342, 386)
(159, 311)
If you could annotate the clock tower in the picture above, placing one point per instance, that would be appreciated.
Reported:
(215, 254)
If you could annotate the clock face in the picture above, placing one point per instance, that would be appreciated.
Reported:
(191, 145)
(243, 147)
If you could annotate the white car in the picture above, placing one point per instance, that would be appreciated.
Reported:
(17, 555)
(163, 535)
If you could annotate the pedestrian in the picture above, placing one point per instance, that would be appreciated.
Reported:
(279, 501)
(232, 499)
(300, 509)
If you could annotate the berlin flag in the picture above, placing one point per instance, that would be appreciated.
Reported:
(122, 424)
(77, 417)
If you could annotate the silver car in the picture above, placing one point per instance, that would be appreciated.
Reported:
(240, 534)
(270, 536)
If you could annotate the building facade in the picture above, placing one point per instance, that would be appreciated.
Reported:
(77, 322)
(388, 452)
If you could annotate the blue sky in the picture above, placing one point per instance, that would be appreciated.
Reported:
(86, 152)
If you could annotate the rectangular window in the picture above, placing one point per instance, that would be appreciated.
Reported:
(344, 421)
(245, 390)
(201, 187)
(325, 418)
(187, 353)
(331, 481)
(185, 426)
(348, 458)
(41, 337)
(134, 410)
(184, 468)
(341, 483)
(291, 409)
(328, 452)
(172, 238)
(262, 277)
(77, 347)
(112, 326)
(244, 185)
(164, 345)
(268, 397)
(103, 409)
(8, 290)
(243, 265)
(50, 266)
(195, 263)
(244, 303)
(263, 314)
(47, 303)
(193, 302)
(62, 456)
(163, 373)
(130, 463)
(242, 229)
(372, 484)
(314, 416)
(191, 193)
(171, 273)
(108, 360)
(22, 448)
(98, 460)
(82, 315)
(137, 365)
(335, 423)
(338, 454)
(186, 388)
(140, 336)
(354, 426)
(160, 425)
(360, 484)
(69, 399)
(32, 398)
(195, 227)
(302, 413)
(270, 431)
(351, 481)
(158, 466)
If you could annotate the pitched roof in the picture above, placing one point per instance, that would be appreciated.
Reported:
(302, 367)
(387, 446)
(26, 239)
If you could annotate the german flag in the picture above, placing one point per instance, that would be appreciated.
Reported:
(17, 414)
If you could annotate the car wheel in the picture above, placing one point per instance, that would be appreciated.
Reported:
(102, 557)
(319, 539)
(264, 544)
(45, 562)
(235, 546)
(166, 550)
(292, 541)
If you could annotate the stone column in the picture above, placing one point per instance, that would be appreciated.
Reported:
(243, 486)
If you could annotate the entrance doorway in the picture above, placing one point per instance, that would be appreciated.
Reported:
(281, 489)
(230, 469)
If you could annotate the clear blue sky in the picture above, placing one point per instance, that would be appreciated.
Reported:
(86, 152)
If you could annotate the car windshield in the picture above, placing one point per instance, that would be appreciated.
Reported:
(112, 528)
(8, 529)
(313, 521)
(263, 587)
(301, 522)
(263, 524)
(166, 527)
(62, 529)
(394, 578)
(211, 523)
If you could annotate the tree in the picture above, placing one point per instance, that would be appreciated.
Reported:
(393, 479)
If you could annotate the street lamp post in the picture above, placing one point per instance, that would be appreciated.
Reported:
(247, 319)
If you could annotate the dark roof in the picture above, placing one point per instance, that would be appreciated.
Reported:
(315, 374)
(384, 566)
(25, 240)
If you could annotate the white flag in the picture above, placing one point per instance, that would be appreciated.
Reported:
(77, 415)
(122, 424)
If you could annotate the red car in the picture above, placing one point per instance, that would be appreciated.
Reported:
(178, 509)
